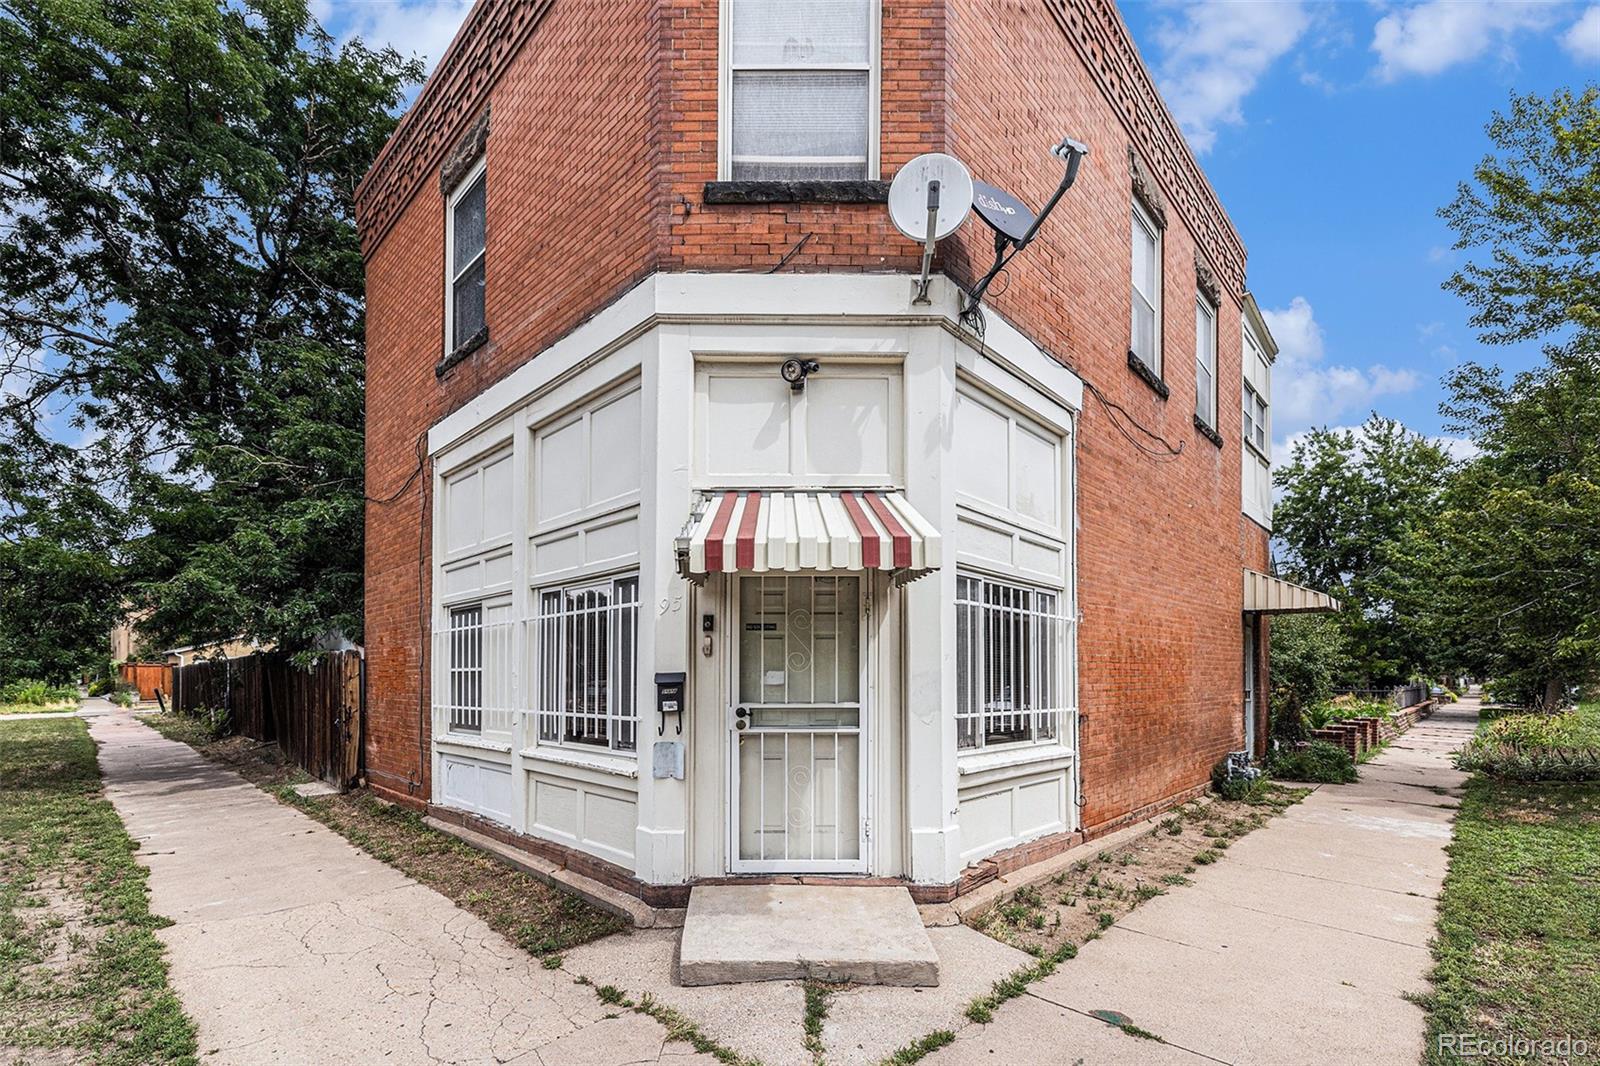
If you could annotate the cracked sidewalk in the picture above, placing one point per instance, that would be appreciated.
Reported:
(292, 946)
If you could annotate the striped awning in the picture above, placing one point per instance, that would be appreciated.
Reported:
(1266, 594)
(736, 531)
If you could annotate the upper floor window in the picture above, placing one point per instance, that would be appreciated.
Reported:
(799, 100)
(1205, 359)
(1257, 379)
(1145, 341)
(464, 240)
(1255, 419)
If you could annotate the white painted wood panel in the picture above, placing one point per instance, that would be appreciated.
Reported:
(844, 428)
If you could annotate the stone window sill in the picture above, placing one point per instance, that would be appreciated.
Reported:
(606, 762)
(464, 349)
(1207, 432)
(1148, 376)
(796, 192)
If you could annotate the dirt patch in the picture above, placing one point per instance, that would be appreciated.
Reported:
(1080, 902)
(538, 918)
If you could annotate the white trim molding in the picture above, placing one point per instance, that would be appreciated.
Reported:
(845, 299)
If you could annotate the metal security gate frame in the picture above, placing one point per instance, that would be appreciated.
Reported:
(861, 732)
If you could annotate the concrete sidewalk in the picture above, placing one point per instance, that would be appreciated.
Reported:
(1299, 947)
(291, 946)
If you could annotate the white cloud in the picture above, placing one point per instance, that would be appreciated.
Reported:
(1429, 37)
(1458, 448)
(1304, 391)
(419, 27)
(1583, 39)
(1212, 54)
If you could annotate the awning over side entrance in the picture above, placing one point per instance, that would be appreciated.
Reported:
(1273, 595)
(733, 531)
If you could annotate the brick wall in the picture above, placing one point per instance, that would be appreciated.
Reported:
(603, 133)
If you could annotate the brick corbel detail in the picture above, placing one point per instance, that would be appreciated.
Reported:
(465, 154)
(1145, 188)
(1095, 30)
(1205, 279)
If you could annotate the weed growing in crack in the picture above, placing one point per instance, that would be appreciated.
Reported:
(818, 993)
(914, 1051)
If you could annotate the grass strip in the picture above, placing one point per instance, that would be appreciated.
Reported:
(1517, 951)
(83, 976)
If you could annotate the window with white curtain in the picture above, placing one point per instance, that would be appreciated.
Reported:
(1145, 339)
(799, 89)
(588, 655)
(1205, 359)
(465, 233)
(1013, 646)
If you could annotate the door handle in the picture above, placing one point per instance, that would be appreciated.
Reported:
(740, 716)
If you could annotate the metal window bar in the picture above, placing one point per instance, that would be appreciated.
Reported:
(587, 658)
(466, 669)
(474, 655)
(1013, 645)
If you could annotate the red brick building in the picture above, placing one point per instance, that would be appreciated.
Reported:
(979, 586)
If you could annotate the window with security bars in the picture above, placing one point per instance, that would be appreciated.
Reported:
(800, 83)
(1011, 663)
(588, 654)
(466, 668)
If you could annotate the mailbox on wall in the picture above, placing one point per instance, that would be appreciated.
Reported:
(669, 701)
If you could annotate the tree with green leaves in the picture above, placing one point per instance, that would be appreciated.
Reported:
(1533, 212)
(180, 279)
(1515, 559)
(1517, 556)
(1350, 500)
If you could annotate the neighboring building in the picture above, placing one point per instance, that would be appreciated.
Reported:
(236, 648)
(124, 640)
(949, 607)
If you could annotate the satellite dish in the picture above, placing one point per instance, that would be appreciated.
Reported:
(908, 196)
(1006, 214)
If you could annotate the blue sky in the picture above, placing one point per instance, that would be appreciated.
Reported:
(1333, 133)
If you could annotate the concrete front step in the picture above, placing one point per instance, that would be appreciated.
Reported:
(869, 936)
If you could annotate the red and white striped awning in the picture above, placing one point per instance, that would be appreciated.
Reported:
(757, 532)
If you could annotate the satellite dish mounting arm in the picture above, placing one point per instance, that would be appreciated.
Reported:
(929, 242)
(1006, 248)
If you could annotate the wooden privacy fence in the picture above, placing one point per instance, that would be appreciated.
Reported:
(314, 714)
(147, 678)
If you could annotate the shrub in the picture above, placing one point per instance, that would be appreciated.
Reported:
(36, 693)
(1345, 707)
(1318, 761)
(1537, 747)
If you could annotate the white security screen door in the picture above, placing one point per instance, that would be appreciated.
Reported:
(798, 776)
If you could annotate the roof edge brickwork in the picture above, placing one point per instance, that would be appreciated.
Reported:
(1096, 31)
(457, 92)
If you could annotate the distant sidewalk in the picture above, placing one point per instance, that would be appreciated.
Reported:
(291, 946)
(1299, 947)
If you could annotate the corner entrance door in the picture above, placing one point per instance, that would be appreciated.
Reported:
(797, 773)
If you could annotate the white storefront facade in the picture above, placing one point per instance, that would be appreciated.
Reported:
(698, 623)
